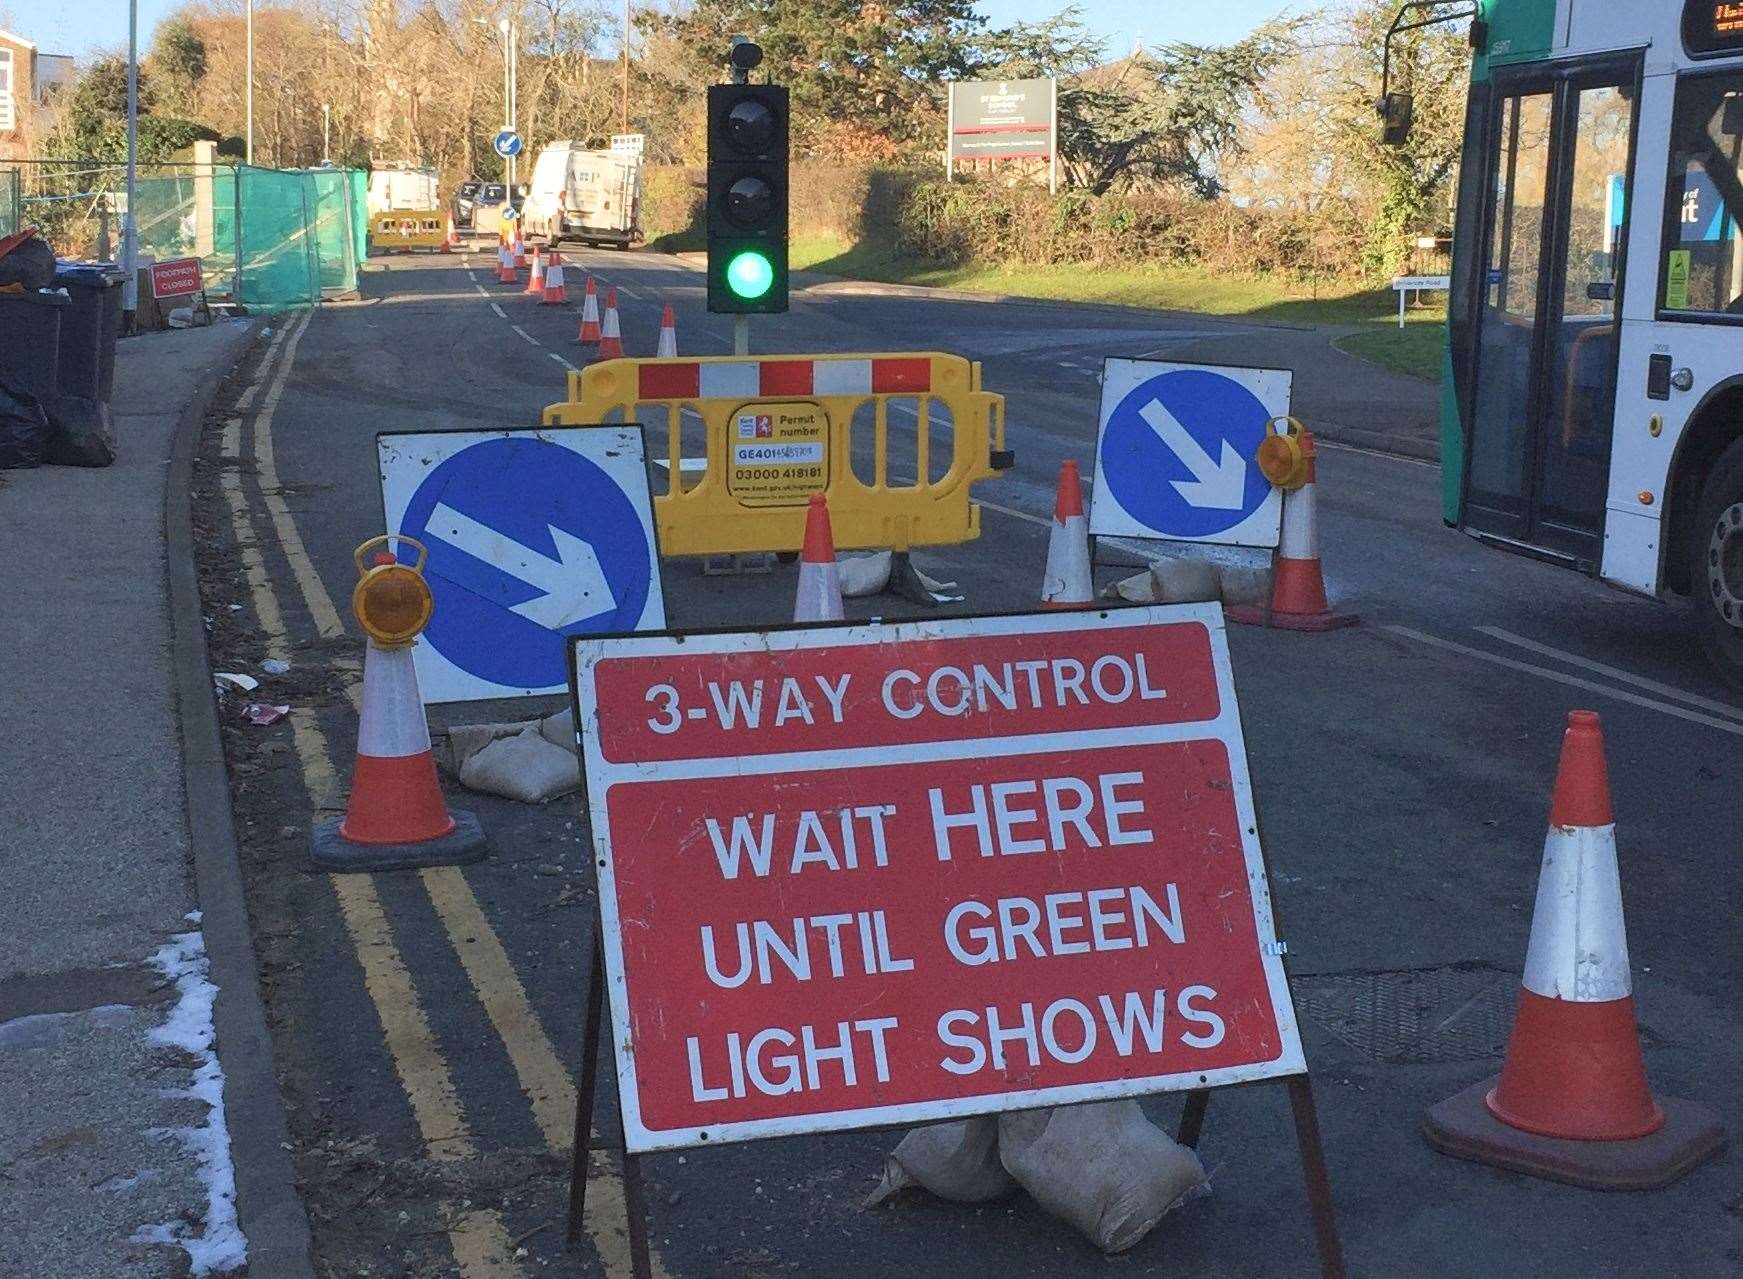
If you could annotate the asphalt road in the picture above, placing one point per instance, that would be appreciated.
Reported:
(426, 1023)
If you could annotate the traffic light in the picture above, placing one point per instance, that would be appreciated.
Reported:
(747, 198)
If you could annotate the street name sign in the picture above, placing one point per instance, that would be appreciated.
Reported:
(534, 536)
(1176, 453)
(881, 874)
(507, 143)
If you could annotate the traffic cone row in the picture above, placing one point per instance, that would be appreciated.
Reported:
(610, 335)
(553, 291)
(1571, 1102)
(819, 597)
(1066, 581)
(505, 273)
(589, 334)
(396, 816)
(1298, 598)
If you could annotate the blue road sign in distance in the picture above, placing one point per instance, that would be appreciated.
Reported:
(532, 536)
(508, 142)
(1175, 454)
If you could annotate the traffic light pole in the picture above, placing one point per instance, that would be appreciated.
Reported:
(741, 335)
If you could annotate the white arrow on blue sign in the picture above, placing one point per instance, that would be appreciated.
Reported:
(1174, 456)
(533, 536)
(507, 142)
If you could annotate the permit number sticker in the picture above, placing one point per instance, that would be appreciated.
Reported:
(780, 454)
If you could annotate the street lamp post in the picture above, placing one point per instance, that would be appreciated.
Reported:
(326, 133)
(510, 85)
(129, 228)
(248, 91)
(625, 105)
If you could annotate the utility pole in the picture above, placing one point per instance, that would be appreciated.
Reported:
(248, 145)
(326, 133)
(624, 128)
(130, 227)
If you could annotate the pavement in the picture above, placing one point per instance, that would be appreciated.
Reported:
(425, 1025)
(112, 1160)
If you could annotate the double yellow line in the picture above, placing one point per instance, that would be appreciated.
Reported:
(480, 1242)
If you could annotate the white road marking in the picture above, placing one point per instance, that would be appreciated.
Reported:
(1321, 442)
(528, 336)
(629, 292)
(1572, 681)
(1625, 677)
(497, 307)
(573, 368)
(481, 290)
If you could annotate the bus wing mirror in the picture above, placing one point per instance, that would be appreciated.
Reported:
(1396, 113)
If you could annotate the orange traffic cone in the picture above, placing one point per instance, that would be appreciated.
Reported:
(520, 249)
(668, 348)
(1066, 583)
(589, 334)
(819, 597)
(451, 241)
(554, 294)
(505, 265)
(1298, 600)
(610, 335)
(396, 815)
(536, 276)
(1571, 1102)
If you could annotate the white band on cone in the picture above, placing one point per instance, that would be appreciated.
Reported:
(392, 723)
(819, 596)
(1300, 539)
(1066, 579)
(1579, 945)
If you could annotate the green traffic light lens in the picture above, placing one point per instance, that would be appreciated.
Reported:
(750, 274)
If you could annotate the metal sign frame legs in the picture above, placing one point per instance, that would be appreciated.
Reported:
(1314, 1169)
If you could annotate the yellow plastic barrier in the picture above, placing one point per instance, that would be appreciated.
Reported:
(401, 230)
(778, 428)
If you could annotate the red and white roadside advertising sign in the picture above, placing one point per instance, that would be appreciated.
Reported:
(867, 875)
(176, 278)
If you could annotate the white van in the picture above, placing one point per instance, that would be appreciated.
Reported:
(590, 197)
(402, 186)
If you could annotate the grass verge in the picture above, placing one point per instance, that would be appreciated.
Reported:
(1272, 298)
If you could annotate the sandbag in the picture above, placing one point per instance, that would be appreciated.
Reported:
(83, 432)
(24, 429)
(524, 767)
(1101, 1166)
(958, 1160)
(1186, 581)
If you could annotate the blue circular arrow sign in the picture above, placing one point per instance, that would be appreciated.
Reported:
(507, 143)
(1177, 453)
(528, 541)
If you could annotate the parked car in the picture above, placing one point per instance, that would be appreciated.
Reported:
(487, 213)
(593, 197)
(466, 203)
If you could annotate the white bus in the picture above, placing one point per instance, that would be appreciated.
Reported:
(1593, 391)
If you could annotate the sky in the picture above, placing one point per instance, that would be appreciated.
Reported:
(82, 27)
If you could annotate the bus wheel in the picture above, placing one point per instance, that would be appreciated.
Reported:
(1716, 565)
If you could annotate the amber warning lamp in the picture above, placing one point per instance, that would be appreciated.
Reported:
(1284, 455)
(392, 601)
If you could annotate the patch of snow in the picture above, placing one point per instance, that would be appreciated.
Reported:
(220, 1245)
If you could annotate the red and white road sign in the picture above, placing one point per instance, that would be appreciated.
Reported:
(868, 875)
(176, 278)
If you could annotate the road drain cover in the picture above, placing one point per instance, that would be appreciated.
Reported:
(1455, 1012)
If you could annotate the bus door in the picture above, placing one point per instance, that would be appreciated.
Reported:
(1554, 233)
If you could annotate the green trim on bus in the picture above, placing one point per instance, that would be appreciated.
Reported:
(1519, 31)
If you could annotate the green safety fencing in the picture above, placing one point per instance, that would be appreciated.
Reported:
(267, 238)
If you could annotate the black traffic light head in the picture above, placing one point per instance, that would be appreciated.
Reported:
(747, 198)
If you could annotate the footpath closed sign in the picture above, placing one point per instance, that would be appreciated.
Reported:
(176, 278)
(879, 874)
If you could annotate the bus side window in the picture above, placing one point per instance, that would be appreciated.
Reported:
(1702, 268)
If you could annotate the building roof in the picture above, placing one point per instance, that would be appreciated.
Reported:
(18, 40)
